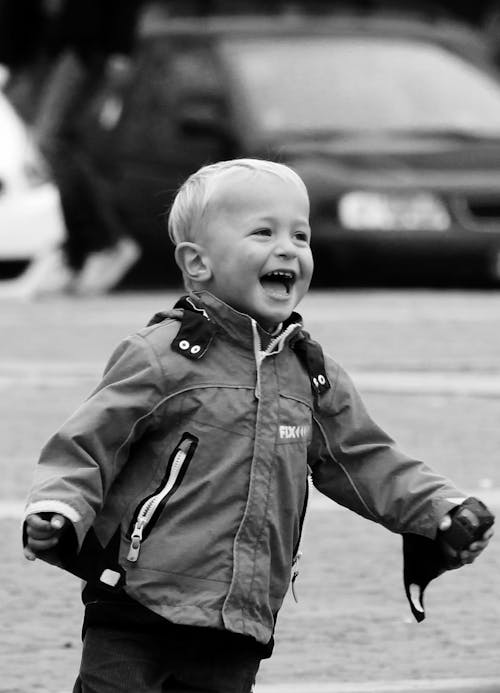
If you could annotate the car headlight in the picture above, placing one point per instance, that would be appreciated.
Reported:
(400, 211)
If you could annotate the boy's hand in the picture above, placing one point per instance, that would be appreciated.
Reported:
(470, 553)
(43, 532)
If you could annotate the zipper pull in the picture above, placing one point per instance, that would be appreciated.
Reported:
(295, 575)
(135, 541)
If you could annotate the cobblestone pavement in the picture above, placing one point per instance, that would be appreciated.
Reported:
(351, 623)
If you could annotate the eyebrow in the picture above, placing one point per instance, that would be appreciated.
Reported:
(265, 219)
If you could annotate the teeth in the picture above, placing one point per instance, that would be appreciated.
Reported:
(285, 275)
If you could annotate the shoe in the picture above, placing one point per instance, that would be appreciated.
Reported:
(104, 269)
(47, 274)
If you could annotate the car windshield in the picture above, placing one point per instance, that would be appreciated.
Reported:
(347, 84)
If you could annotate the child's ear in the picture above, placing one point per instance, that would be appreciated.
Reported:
(193, 261)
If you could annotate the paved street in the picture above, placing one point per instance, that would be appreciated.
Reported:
(428, 366)
(469, 685)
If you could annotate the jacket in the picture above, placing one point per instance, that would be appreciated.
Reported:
(185, 473)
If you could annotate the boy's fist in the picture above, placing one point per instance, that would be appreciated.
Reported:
(466, 532)
(43, 531)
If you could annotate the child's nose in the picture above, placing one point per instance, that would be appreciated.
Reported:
(285, 247)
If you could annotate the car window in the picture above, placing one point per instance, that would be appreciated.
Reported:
(348, 83)
(167, 78)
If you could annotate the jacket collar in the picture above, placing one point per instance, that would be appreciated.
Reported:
(203, 315)
(242, 327)
(237, 326)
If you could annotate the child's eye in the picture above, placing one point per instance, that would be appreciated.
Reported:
(302, 236)
(263, 232)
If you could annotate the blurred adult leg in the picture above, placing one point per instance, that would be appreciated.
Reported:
(98, 249)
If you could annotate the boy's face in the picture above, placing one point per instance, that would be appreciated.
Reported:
(257, 244)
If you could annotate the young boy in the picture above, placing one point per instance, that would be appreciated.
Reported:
(177, 491)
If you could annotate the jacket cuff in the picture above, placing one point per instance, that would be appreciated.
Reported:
(53, 506)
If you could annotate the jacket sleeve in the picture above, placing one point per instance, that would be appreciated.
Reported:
(357, 464)
(79, 463)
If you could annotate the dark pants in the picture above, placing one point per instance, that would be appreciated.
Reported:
(115, 661)
(92, 222)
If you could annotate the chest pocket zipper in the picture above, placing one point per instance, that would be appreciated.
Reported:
(150, 508)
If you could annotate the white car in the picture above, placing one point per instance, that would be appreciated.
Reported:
(31, 220)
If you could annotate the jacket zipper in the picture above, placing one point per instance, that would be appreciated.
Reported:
(151, 506)
(297, 554)
(274, 347)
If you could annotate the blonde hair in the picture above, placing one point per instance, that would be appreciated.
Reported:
(191, 201)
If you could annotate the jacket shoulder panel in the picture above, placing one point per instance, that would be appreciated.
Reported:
(158, 338)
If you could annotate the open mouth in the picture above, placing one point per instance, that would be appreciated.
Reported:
(278, 282)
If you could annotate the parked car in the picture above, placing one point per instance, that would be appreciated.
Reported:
(394, 124)
(31, 220)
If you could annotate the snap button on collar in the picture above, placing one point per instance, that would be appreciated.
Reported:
(196, 331)
(311, 355)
